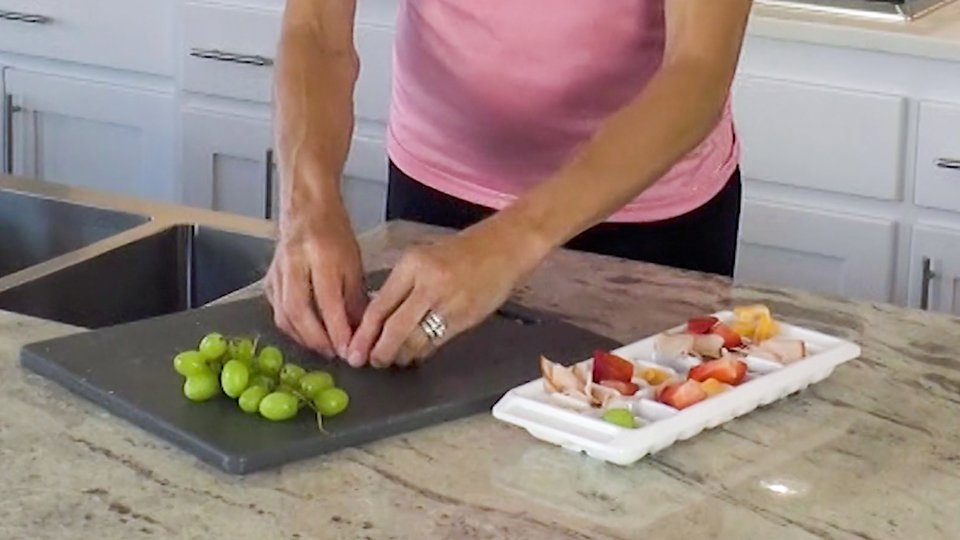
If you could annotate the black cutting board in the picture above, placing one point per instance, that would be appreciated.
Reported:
(128, 370)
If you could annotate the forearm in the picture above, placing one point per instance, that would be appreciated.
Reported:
(317, 68)
(634, 148)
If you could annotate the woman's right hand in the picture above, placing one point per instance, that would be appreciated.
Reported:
(315, 282)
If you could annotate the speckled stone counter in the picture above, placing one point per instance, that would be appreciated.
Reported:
(873, 452)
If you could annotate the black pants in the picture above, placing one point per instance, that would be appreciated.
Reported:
(704, 239)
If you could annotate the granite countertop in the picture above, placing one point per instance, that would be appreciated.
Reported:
(934, 36)
(873, 452)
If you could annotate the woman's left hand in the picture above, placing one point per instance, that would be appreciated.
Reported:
(461, 278)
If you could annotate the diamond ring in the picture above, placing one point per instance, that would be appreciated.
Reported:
(433, 326)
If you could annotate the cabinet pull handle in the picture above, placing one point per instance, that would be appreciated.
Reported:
(28, 18)
(947, 163)
(221, 56)
(268, 187)
(926, 277)
(8, 110)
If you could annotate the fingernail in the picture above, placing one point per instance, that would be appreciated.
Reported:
(354, 359)
(342, 352)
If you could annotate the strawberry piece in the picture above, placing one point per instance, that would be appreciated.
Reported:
(701, 325)
(610, 367)
(726, 370)
(682, 395)
(731, 339)
(625, 388)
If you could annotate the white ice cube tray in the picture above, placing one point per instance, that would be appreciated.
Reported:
(530, 407)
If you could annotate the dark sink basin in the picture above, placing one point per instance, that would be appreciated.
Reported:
(35, 229)
(174, 270)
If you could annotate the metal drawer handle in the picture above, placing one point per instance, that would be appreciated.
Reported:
(947, 163)
(927, 275)
(25, 17)
(221, 56)
(268, 187)
(9, 109)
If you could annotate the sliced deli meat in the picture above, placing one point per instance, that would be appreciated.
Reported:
(785, 351)
(709, 345)
(674, 345)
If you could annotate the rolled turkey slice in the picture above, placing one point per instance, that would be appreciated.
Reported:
(785, 351)
(708, 345)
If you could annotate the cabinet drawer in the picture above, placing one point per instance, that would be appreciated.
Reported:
(821, 138)
(938, 157)
(135, 35)
(229, 51)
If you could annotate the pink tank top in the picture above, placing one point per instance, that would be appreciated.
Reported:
(491, 97)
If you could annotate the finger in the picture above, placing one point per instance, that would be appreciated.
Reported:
(298, 305)
(328, 295)
(390, 296)
(400, 325)
(356, 299)
(417, 347)
(280, 319)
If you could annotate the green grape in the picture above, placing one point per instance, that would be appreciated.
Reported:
(295, 392)
(215, 366)
(265, 381)
(278, 406)
(315, 382)
(620, 417)
(234, 378)
(242, 349)
(251, 397)
(331, 401)
(212, 346)
(201, 387)
(291, 374)
(190, 363)
(270, 361)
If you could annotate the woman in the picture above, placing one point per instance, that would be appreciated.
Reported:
(530, 125)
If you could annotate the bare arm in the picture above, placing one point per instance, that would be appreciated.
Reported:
(317, 68)
(315, 282)
(641, 142)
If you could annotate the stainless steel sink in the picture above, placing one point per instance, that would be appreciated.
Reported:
(34, 229)
(171, 270)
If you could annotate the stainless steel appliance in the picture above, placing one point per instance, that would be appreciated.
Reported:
(888, 10)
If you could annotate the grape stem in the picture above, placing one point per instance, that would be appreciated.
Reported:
(299, 395)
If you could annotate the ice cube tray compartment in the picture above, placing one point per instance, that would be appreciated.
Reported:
(529, 406)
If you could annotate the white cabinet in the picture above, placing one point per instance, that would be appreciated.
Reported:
(225, 162)
(938, 156)
(365, 181)
(935, 269)
(818, 137)
(92, 133)
(6, 124)
(131, 35)
(816, 250)
(225, 168)
(229, 52)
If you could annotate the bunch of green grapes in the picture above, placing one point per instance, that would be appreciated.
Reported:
(260, 381)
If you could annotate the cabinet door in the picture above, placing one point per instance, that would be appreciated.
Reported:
(6, 124)
(816, 250)
(225, 168)
(365, 180)
(225, 162)
(940, 249)
(92, 134)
